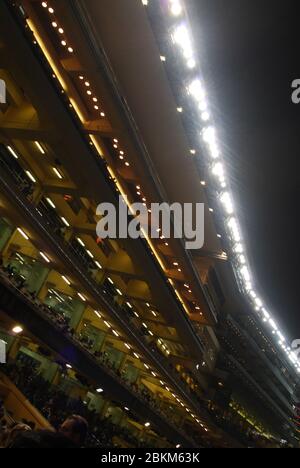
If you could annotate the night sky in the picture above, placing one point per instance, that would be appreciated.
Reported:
(250, 50)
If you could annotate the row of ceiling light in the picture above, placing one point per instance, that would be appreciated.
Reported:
(182, 38)
(68, 282)
(87, 85)
(82, 78)
(109, 326)
(29, 174)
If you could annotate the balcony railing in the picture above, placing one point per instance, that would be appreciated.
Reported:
(56, 322)
(9, 181)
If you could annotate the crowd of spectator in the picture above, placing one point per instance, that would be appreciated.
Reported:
(71, 433)
(63, 322)
(228, 423)
(56, 406)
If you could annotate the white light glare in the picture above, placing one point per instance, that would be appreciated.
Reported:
(219, 172)
(205, 116)
(234, 229)
(282, 338)
(210, 138)
(245, 273)
(227, 202)
(273, 324)
(196, 90)
(182, 38)
(252, 294)
(238, 248)
(266, 314)
(293, 357)
(175, 7)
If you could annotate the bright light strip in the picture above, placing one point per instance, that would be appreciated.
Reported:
(227, 202)
(182, 38)
(209, 137)
(50, 202)
(90, 253)
(238, 248)
(31, 177)
(244, 271)
(23, 234)
(66, 280)
(80, 242)
(258, 302)
(17, 330)
(266, 314)
(196, 90)
(273, 324)
(98, 265)
(107, 324)
(56, 171)
(98, 314)
(12, 151)
(65, 221)
(47, 54)
(44, 256)
(39, 147)
(234, 229)
(81, 297)
(219, 172)
(281, 336)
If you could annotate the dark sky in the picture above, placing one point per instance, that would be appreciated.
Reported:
(251, 54)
